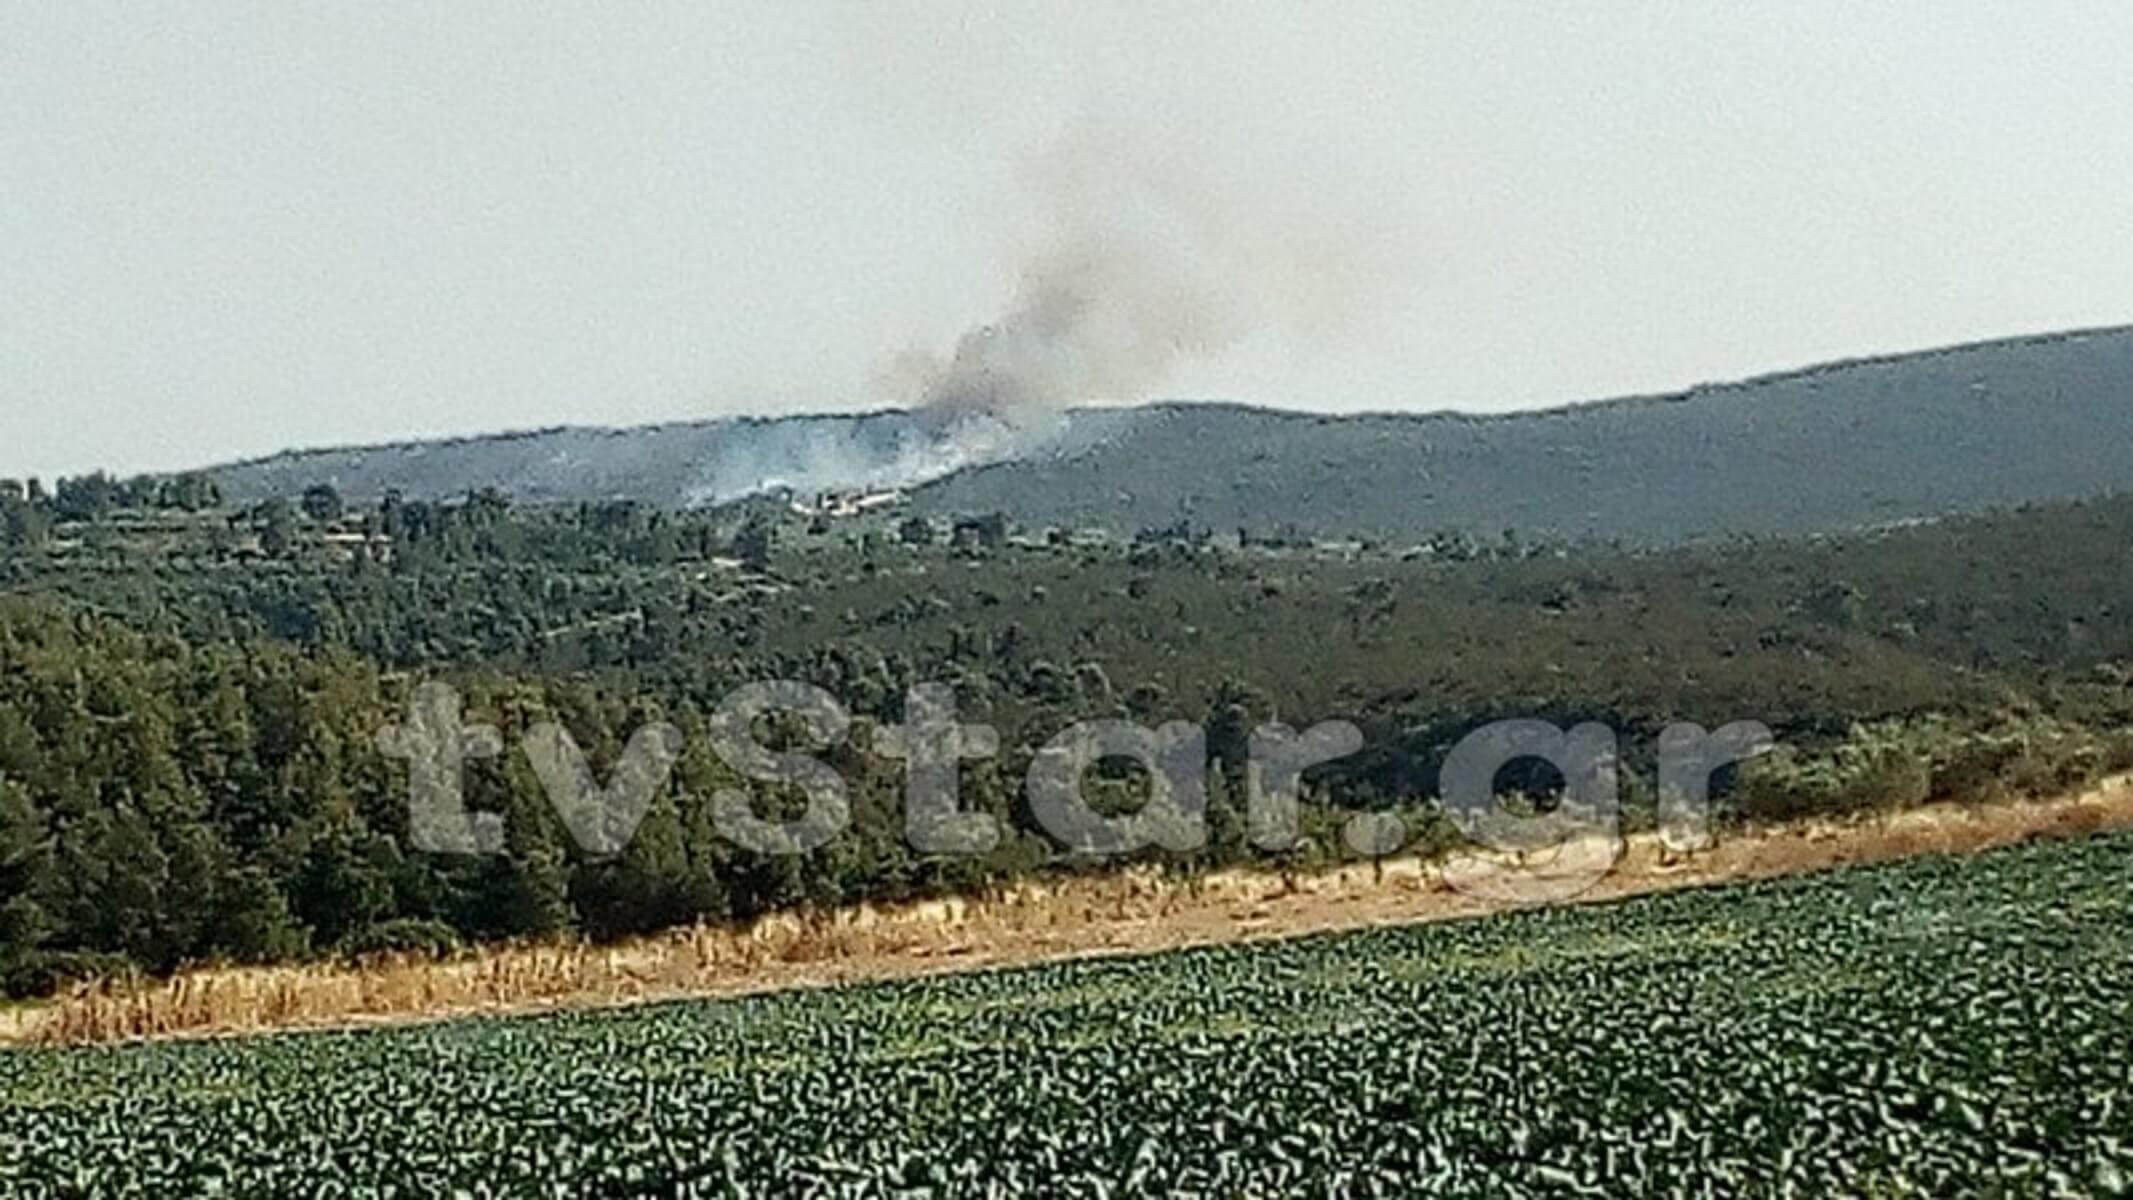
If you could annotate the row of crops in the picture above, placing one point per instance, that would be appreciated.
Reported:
(1931, 1028)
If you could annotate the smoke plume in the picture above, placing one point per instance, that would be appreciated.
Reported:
(1148, 258)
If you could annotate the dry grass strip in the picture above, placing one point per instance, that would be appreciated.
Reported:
(1128, 912)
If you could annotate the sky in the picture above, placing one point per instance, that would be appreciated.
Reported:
(228, 228)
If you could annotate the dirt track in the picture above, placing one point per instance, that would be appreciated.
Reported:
(1131, 913)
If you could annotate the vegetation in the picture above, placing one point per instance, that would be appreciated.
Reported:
(189, 695)
(1839, 446)
(1936, 1027)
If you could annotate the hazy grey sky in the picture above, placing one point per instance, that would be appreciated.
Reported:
(230, 227)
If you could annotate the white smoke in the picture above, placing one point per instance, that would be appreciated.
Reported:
(1147, 257)
(810, 456)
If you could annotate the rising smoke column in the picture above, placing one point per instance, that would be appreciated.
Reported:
(1148, 257)
(1144, 264)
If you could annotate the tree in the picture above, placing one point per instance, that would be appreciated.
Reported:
(25, 859)
(322, 503)
(340, 886)
(22, 524)
(651, 885)
(191, 491)
(389, 513)
(515, 895)
(752, 544)
(118, 874)
(276, 522)
(85, 497)
(486, 507)
(988, 531)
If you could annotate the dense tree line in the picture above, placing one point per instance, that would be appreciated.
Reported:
(188, 711)
(28, 510)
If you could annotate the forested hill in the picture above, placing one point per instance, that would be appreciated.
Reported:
(673, 465)
(1851, 444)
(1845, 445)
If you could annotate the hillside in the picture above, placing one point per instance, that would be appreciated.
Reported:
(1846, 445)
(1849, 444)
(190, 698)
(673, 465)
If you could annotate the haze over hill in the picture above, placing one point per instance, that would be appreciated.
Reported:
(1848, 444)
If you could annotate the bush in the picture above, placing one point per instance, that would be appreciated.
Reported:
(43, 972)
(406, 935)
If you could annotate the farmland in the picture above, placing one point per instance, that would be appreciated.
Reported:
(1938, 1026)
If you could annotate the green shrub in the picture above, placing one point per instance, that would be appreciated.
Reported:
(43, 972)
(405, 935)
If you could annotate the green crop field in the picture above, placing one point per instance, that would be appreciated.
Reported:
(1936, 1028)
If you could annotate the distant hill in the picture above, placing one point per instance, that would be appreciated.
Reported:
(671, 465)
(1856, 443)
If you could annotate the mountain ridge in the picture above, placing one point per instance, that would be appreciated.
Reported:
(1833, 445)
